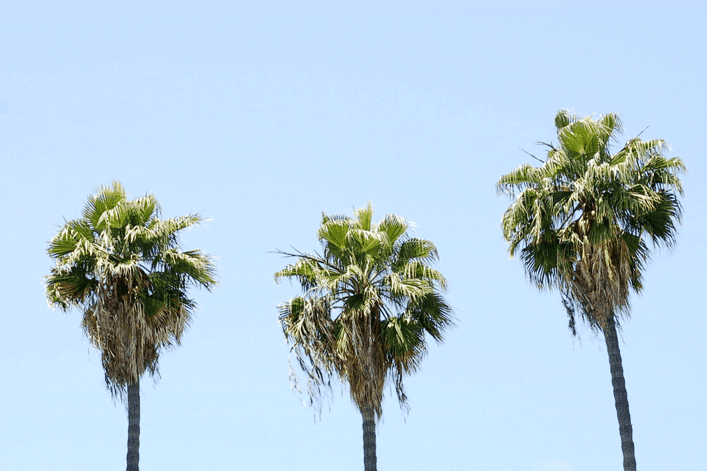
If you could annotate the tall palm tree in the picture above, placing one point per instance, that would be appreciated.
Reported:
(369, 299)
(123, 267)
(580, 223)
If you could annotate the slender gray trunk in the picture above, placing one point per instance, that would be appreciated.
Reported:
(133, 426)
(369, 438)
(620, 396)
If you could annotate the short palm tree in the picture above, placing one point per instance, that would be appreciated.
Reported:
(581, 221)
(369, 299)
(123, 267)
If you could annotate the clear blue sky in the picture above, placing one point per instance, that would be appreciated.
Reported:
(261, 115)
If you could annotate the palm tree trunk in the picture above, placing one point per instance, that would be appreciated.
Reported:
(133, 426)
(620, 396)
(369, 438)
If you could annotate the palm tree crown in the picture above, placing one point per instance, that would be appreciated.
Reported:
(580, 220)
(369, 299)
(123, 267)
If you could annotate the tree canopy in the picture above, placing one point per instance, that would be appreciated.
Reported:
(370, 298)
(123, 267)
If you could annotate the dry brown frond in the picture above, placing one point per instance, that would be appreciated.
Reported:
(601, 278)
(130, 341)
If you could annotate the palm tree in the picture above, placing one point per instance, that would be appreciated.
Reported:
(369, 299)
(580, 223)
(123, 267)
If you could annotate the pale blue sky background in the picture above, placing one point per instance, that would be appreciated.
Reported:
(261, 115)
